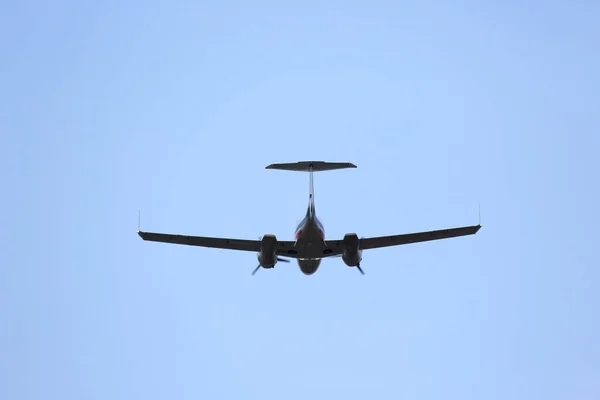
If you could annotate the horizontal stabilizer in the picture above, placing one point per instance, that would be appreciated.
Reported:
(307, 166)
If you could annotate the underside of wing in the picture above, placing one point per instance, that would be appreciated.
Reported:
(286, 248)
(396, 240)
(282, 248)
(218, 243)
(336, 247)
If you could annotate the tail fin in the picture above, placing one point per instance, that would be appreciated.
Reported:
(310, 166)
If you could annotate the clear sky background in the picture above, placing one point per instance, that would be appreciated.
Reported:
(175, 108)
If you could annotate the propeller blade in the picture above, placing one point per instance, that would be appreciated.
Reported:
(256, 269)
(283, 259)
(360, 269)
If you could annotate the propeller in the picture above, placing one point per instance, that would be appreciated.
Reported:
(278, 259)
(358, 265)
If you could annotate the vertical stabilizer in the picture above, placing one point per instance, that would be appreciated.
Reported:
(310, 167)
(311, 192)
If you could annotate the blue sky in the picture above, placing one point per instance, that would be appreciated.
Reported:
(175, 108)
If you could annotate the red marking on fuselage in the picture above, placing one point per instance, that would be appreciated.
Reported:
(321, 233)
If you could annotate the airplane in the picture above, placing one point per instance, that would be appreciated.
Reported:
(310, 245)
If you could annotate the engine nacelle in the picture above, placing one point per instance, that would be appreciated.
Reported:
(267, 257)
(352, 255)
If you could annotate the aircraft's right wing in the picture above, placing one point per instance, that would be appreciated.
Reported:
(395, 240)
(336, 247)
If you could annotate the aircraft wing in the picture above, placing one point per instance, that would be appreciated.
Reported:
(395, 240)
(202, 241)
(215, 242)
(286, 248)
(337, 246)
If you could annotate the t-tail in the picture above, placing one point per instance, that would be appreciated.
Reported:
(310, 167)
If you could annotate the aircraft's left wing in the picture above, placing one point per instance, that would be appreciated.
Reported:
(202, 241)
(282, 246)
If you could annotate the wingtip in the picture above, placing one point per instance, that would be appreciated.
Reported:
(477, 228)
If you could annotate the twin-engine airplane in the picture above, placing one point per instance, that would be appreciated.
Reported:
(310, 246)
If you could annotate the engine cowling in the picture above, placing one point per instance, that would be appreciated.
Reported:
(352, 255)
(267, 257)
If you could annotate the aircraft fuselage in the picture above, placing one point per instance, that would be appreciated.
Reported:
(310, 232)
